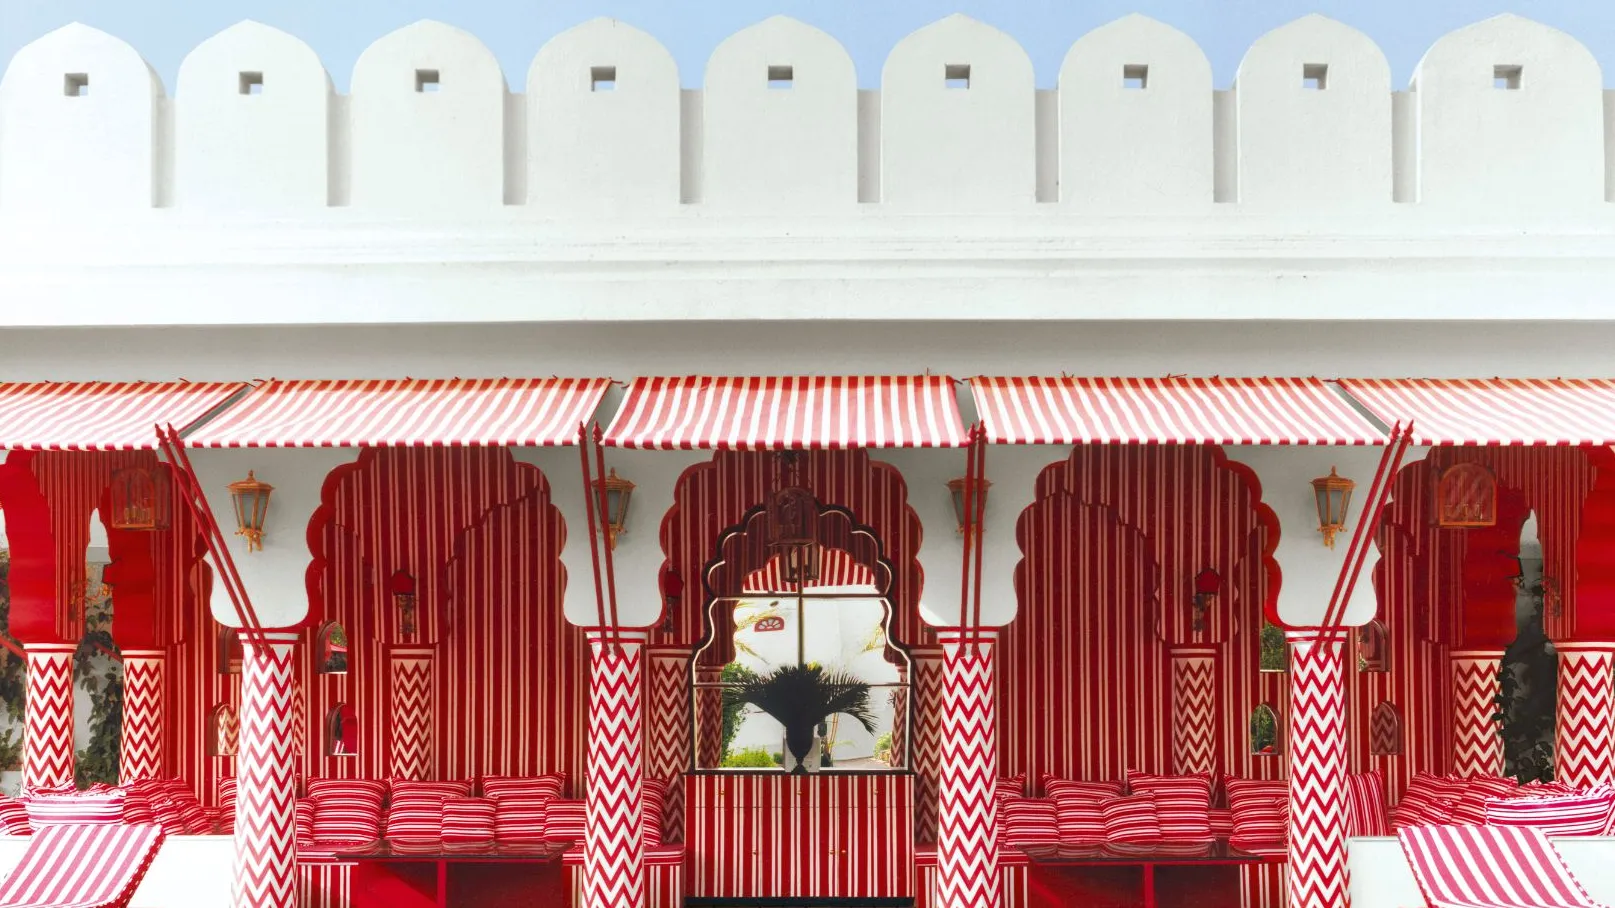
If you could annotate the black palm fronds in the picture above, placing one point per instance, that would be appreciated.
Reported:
(802, 696)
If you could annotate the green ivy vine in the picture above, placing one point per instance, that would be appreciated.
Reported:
(101, 679)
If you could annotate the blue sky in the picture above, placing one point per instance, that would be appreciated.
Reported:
(339, 30)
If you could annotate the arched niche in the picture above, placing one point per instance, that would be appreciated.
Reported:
(1373, 648)
(603, 130)
(1135, 120)
(333, 649)
(1385, 731)
(342, 731)
(251, 113)
(958, 129)
(222, 731)
(780, 121)
(77, 114)
(228, 653)
(427, 121)
(1510, 115)
(1265, 732)
(1314, 108)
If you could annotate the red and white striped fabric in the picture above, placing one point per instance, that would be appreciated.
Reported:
(1494, 411)
(1222, 822)
(346, 810)
(1471, 805)
(14, 818)
(1132, 820)
(86, 809)
(1258, 807)
(1027, 821)
(102, 416)
(1365, 805)
(81, 867)
(303, 819)
(1174, 410)
(1490, 867)
(1581, 814)
(1428, 801)
(652, 809)
(526, 412)
(564, 821)
(548, 786)
(1080, 820)
(415, 809)
(702, 412)
(836, 568)
(1011, 786)
(468, 821)
(227, 806)
(1182, 802)
(519, 818)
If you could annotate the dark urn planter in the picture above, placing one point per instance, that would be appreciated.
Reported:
(800, 741)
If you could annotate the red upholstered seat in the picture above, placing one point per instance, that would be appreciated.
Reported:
(1490, 867)
(77, 866)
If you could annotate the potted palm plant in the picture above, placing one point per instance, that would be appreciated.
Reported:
(800, 697)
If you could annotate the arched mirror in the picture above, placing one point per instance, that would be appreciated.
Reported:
(332, 649)
(1264, 731)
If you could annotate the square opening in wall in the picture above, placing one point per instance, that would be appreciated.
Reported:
(427, 80)
(252, 83)
(602, 78)
(1507, 77)
(76, 85)
(1135, 76)
(781, 77)
(956, 75)
(1315, 76)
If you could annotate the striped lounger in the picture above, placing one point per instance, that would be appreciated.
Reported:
(1490, 867)
(81, 866)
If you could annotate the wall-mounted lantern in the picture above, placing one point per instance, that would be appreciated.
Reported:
(1333, 494)
(401, 587)
(956, 488)
(619, 492)
(140, 499)
(251, 499)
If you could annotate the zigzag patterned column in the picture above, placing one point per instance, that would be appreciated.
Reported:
(613, 850)
(667, 724)
(899, 699)
(47, 760)
(967, 817)
(141, 754)
(1317, 740)
(1194, 709)
(410, 738)
(709, 707)
(266, 784)
(1476, 748)
(927, 749)
(1583, 745)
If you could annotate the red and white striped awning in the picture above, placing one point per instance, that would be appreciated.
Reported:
(1228, 411)
(700, 412)
(521, 412)
(102, 416)
(1494, 411)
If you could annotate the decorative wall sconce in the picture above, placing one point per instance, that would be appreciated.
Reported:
(251, 499)
(619, 492)
(799, 564)
(401, 587)
(956, 488)
(672, 589)
(140, 499)
(1333, 494)
(1207, 584)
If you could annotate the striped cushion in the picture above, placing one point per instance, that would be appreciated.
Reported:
(167, 812)
(1183, 804)
(1027, 821)
(1428, 801)
(346, 810)
(415, 817)
(548, 786)
(227, 806)
(1011, 786)
(563, 821)
(1222, 822)
(1584, 814)
(403, 788)
(1365, 804)
(98, 809)
(1470, 808)
(1077, 803)
(1256, 807)
(1132, 820)
(468, 821)
(137, 801)
(520, 818)
(652, 810)
(303, 819)
(14, 818)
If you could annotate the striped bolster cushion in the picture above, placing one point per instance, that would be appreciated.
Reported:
(1028, 821)
(468, 821)
(1583, 814)
(1470, 808)
(652, 810)
(1255, 805)
(521, 818)
(1365, 804)
(563, 821)
(1131, 820)
(303, 819)
(346, 810)
(1428, 801)
(227, 805)
(14, 818)
(1183, 804)
(1080, 820)
(549, 786)
(98, 809)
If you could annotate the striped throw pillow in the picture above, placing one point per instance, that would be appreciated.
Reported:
(167, 813)
(468, 821)
(1028, 821)
(415, 809)
(403, 788)
(1428, 801)
(1569, 815)
(1255, 805)
(14, 818)
(1183, 804)
(564, 821)
(1011, 786)
(346, 810)
(227, 806)
(1365, 805)
(303, 819)
(520, 819)
(549, 786)
(1470, 808)
(1222, 822)
(653, 810)
(1080, 820)
(87, 809)
(1132, 820)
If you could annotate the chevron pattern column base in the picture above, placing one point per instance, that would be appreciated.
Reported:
(266, 783)
(667, 726)
(967, 817)
(410, 737)
(1317, 739)
(1194, 709)
(1584, 746)
(613, 848)
(926, 753)
(1476, 748)
(47, 745)
(141, 751)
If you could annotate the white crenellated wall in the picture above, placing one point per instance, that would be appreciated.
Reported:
(603, 127)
